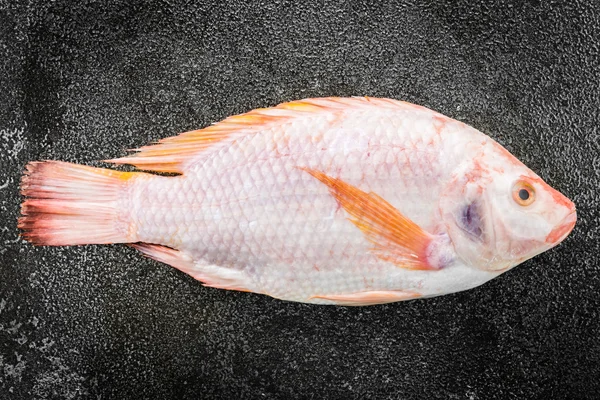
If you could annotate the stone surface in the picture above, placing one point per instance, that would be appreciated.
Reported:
(84, 81)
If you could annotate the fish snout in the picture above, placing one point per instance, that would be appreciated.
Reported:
(559, 233)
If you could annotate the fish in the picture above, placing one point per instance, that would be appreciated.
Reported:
(337, 201)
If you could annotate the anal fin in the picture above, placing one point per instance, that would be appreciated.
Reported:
(167, 255)
(210, 275)
(368, 298)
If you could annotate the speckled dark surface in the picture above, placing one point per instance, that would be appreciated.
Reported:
(81, 81)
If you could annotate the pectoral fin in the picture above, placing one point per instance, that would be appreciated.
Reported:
(395, 238)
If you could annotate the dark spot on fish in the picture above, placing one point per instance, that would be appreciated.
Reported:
(471, 222)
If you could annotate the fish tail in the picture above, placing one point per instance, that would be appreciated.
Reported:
(69, 204)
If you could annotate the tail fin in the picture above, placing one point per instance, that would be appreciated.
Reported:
(70, 204)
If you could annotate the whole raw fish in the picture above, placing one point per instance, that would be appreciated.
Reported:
(350, 201)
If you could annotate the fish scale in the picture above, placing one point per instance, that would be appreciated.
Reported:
(331, 201)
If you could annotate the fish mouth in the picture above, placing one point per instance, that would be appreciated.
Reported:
(559, 233)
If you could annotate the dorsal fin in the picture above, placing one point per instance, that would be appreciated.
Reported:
(172, 154)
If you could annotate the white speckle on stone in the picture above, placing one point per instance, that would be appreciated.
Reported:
(12, 141)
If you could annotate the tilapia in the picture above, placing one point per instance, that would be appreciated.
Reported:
(347, 201)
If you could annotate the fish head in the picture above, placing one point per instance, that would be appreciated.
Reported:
(498, 213)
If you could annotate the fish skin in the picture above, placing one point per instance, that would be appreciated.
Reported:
(247, 214)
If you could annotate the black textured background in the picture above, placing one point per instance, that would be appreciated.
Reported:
(83, 81)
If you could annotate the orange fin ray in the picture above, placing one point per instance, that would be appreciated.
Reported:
(369, 298)
(173, 154)
(395, 238)
(69, 204)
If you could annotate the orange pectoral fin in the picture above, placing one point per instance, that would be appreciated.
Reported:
(369, 298)
(395, 238)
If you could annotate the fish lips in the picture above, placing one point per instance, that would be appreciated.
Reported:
(559, 233)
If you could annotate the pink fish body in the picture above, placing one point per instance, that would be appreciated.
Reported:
(350, 201)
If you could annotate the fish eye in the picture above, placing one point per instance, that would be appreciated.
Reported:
(523, 193)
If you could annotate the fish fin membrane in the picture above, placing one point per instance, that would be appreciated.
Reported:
(69, 204)
(174, 154)
(395, 238)
(167, 255)
(369, 298)
(211, 275)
